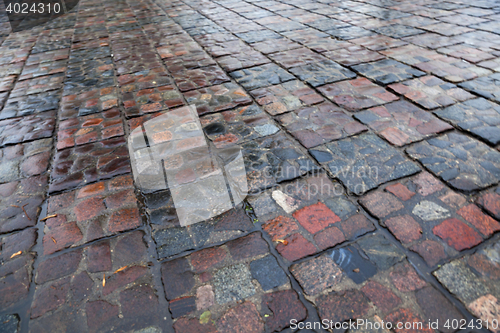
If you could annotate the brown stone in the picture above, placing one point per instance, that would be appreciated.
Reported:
(329, 238)
(381, 296)
(285, 306)
(437, 308)
(339, 307)
(243, 318)
(485, 224)
(427, 184)
(381, 204)
(99, 257)
(356, 226)
(316, 217)
(296, 247)
(406, 316)
(248, 246)
(206, 259)
(405, 278)
(59, 266)
(401, 191)
(405, 228)
(49, 297)
(431, 251)
(317, 274)
(280, 227)
(457, 234)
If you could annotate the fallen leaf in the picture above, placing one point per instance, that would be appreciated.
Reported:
(205, 317)
(16, 254)
(285, 242)
(356, 270)
(120, 269)
(48, 217)
(103, 280)
(53, 239)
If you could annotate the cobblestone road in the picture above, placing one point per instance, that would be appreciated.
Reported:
(370, 131)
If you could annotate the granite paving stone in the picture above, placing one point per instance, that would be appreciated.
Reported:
(462, 162)
(261, 76)
(179, 63)
(321, 123)
(89, 75)
(88, 103)
(47, 57)
(363, 162)
(477, 291)
(401, 122)
(30, 104)
(432, 40)
(217, 282)
(41, 69)
(28, 193)
(447, 29)
(151, 78)
(431, 92)
(236, 126)
(357, 94)
(27, 128)
(24, 160)
(486, 86)
(452, 69)
(429, 218)
(227, 48)
(87, 163)
(493, 64)
(285, 97)
(327, 44)
(378, 42)
(92, 212)
(7, 83)
(410, 54)
(11, 69)
(122, 263)
(468, 53)
(38, 85)
(257, 36)
(296, 57)
(53, 39)
(387, 71)
(477, 116)
(398, 31)
(237, 61)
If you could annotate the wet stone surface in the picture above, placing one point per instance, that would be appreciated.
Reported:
(462, 162)
(28, 128)
(488, 87)
(261, 76)
(30, 104)
(88, 163)
(322, 72)
(401, 122)
(363, 162)
(387, 71)
(88, 103)
(151, 100)
(281, 98)
(318, 124)
(429, 218)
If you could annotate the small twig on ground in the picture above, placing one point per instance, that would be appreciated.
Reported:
(48, 217)
(25, 212)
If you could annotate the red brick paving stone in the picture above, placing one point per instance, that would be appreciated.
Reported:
(357, 94)
(7, 83)
(24, 160)
(47, 68)
(230, 288)
(91, 128)
(146, 79)
(15, 278)
(485, 224)
(199, 78)
(402, 123)
(468, 53)
(151, 100)
(407, 316)
(88, 102)
(353, 55)
(457, 234)
(452, 69)
(381, 296)
(91, 213)
(378, 42)
(280, 227)
(410, 54)
(27, 128)
(50, 298)
(27, 193)
(137, 302)
(317, 274)
(433, 221)
(296, 57)
(283, 306)
(491, 203)
(401, 191)
(339, 307)
(20, 242)
(296, 247)
(329, 237)
(236, 126)
(316, 217)
(431, 92)
(286, 97)
(47, 57)
(76, 166)
(217, 98)
(276, 45)
(38, 85)
(241, 319)
(405, 278)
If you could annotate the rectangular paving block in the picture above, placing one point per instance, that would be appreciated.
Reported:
(322, 72)
(353, 55)
(86, 103)
(199, 78)
(151, 100)
(486, 86)
(27, 128)
(462, 162)
(429, 218)
(363, 162)
(387, 71)
(89, 75)
(261, 76)
(452, 69)
(38, 85)
(30, 104)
